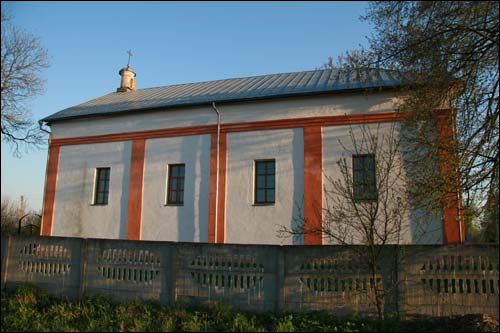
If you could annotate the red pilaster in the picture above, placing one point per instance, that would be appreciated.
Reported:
(50, 191)
(313, 185)
(135, 190)
(453, 222)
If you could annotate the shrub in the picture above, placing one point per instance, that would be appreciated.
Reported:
(165, 322)
(98, 313)
(221, 312)
(286, 324)
(242, 324)
(23, 310)
(195, 323)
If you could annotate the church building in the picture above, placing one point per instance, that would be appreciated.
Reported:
(225, 161)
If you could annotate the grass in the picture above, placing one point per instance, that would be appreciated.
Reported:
(29, 308)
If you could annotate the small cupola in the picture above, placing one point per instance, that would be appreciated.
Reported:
(128, 77)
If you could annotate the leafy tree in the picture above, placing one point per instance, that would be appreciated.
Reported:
(472, 214)
(490, 221)
(23, 59)
(448, 52)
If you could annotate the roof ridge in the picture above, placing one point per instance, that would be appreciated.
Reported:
(271, 74)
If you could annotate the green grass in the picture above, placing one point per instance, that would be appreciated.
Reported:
(29, 308)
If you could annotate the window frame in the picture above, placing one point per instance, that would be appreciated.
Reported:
(374, 196)
(97, 180)
(256, 188)
(168, 201)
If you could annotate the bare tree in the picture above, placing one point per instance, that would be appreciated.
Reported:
(18, 218)
(366, 202)
(23, 59)
(363, 210)
(354, 60)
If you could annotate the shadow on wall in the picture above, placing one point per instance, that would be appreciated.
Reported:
(74, 214)
(426, 225)
(71, 205)
(124, 193)
(192, 150)
(262, 223)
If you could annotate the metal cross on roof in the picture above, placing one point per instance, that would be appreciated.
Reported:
(129, 55)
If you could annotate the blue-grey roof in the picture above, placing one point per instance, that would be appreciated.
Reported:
(237, 89)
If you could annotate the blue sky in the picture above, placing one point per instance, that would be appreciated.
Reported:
(172, 42)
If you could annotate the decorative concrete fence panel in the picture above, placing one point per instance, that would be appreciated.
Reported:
(244, 276)
(51, 263)
(449, 280)
(333, 278)
(127, 269)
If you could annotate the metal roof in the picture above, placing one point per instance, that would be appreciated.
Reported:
(237, 89)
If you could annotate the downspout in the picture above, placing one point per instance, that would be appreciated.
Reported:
(217, 171)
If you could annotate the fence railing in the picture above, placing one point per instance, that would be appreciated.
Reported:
(417, 279)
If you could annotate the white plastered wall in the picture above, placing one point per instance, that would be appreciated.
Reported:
(254, 224)
(75, 214)
(186, 223)
(418, 227)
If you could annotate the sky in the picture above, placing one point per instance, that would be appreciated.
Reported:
(171, 43)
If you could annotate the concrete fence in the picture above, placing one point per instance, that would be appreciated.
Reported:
(418, 279)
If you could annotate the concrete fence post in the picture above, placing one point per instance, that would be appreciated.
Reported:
(6, 240)
(82, 263)
(399, 278)
(173, 274)
(168, 278)
(280, 278)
